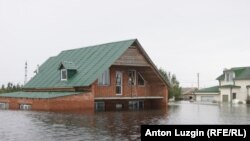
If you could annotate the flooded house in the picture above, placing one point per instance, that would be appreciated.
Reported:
(234, 85)
(187, 93)
(111, 76)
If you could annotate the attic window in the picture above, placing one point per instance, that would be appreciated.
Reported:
(229, 76)
(132, 77)
(104, 79)
(140, 80)
(64, 74)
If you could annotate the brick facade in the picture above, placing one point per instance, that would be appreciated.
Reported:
(80, 102)
(149, 89)
(85, 102)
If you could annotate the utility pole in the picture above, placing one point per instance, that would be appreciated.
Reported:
(198, 80)
(26, 72)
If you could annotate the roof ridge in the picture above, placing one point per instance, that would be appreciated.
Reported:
(98, 45)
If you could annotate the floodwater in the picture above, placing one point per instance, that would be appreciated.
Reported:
(120, 125)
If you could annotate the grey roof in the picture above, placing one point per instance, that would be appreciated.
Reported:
(188, 90)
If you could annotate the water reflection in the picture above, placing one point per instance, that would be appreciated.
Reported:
(123, 125)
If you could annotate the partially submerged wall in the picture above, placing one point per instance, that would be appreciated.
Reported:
(79, 102)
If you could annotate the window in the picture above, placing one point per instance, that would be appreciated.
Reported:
(118, 82)
(229, 76)
(131, 77)
(135, 105)
(104, 79)
(64, 74)
(118, 106)
(100, 106)
(141, 80)
(4, 105)
(25, 107)
(234, 95)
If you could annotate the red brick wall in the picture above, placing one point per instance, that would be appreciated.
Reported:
(109, 91)
(81, 102)
(148, 104)
(150, 89)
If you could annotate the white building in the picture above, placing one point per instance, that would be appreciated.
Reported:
(211, 94)
(234, 85)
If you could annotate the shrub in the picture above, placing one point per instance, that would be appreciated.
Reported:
(240, 102)
(248, 101)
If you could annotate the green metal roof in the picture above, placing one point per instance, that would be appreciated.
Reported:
(241, 73)
(68, 65)
(213, 89)
(91, 62)
(41, 95)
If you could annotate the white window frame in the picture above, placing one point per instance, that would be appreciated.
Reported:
(25, 107)
(134, 80)
(64, 79)
(139, 74)
(119, 85)
(4, 105)
(104, 79)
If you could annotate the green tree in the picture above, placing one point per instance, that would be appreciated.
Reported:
(175, 89)
(18, 87)
(3, 87)
(11, 87)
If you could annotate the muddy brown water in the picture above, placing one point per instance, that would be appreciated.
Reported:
(116, 125)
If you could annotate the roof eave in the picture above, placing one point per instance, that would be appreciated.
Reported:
(152, 63)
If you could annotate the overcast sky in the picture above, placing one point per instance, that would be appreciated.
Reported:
(184, 37)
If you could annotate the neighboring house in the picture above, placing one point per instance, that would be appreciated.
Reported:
(211, 94)
(118, 75)
(233, 86)
(188, 93)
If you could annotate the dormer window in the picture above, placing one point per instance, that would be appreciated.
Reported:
(64, 74)
(68, 70)
(229, 76)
